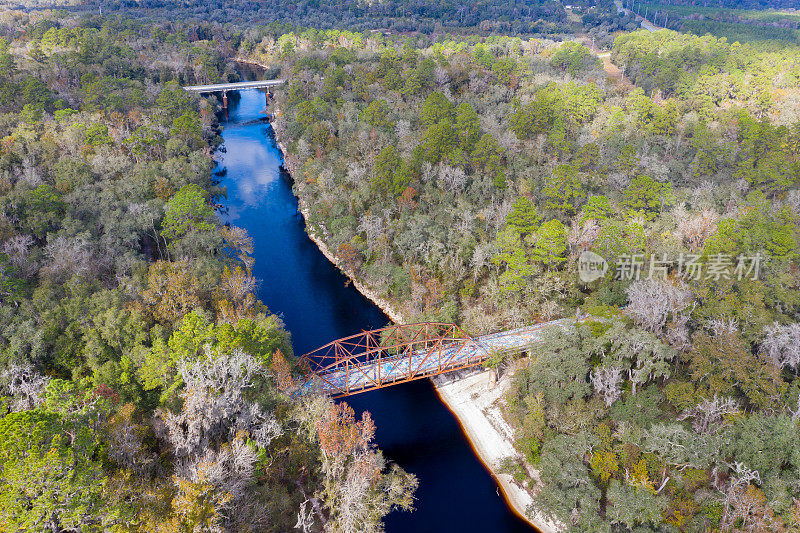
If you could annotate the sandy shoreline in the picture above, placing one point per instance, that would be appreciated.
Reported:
(472, 402)
(478, 407)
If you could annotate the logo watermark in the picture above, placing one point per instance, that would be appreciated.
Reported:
(591, 267)
(689, 267)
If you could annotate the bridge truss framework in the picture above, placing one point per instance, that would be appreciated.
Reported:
(388, 356)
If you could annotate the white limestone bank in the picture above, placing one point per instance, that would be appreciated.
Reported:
(479, 408)
(476, 406)
(383, 304)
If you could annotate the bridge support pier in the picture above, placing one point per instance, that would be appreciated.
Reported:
(224, 99)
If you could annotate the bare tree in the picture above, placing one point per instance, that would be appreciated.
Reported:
(500, 213)
(373, 227)
(549, 310)
(231, 473)
(429, 172)
(127, 441)
(25, 385)
(30, 173)
(303, 149)
(452, 178)
(231, 468)
(478, 82)
(619, 180)
(126, 446)
(781, 344)
(652, 303)
(215, 407)
(441, 76)
(743, 475)
(796, 412)
(356, 173)
(583, 235)
(208, 436)
(464, 225)
(69, 256)
(607, 383)
(678, 332)
(305, 518)
(703, 195)
(358, 487)
(404, 134)
(746, 508)
(238, 284)
(17, 248)
(241, 244)
(695, 229)
(793, 200)
(710, 415)
(722, 327)
(481, 257)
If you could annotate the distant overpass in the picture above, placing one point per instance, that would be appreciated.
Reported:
(238, 86)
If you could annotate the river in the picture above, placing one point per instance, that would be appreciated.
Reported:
(414, 429)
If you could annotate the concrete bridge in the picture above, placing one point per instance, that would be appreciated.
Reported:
(396, 354)
(238, 86)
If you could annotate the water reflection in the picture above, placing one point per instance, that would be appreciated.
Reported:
(456, 493)
(257, 165)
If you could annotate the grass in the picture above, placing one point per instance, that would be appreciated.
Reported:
(765, 15)
(772, 15)
(741, 31)
(744, 33)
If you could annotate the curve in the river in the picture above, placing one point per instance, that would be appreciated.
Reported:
(415, 430)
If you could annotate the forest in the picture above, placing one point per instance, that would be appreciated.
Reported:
(424, 16)
(139, 371)
(459, 160)
(737, 21)
(463, 179)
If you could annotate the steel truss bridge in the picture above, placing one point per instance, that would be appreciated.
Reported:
(396, 354)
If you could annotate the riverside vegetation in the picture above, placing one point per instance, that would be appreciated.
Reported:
(138, 368)
(460, 176)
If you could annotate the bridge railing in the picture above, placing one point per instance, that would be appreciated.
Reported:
(233, 86)
(386, 356)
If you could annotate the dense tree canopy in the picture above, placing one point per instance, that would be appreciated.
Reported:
(138, 370)
(517, 157)
(461, 176)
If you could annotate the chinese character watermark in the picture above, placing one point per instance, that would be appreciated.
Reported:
(689, 267)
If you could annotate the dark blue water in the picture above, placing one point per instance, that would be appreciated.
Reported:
(414, 429)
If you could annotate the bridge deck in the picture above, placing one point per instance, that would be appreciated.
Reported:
(353, 377)
(221, 87)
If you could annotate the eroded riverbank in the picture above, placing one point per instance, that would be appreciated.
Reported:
(475, 404)
(318, 304)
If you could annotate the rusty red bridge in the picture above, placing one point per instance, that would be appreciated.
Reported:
(396, 354)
